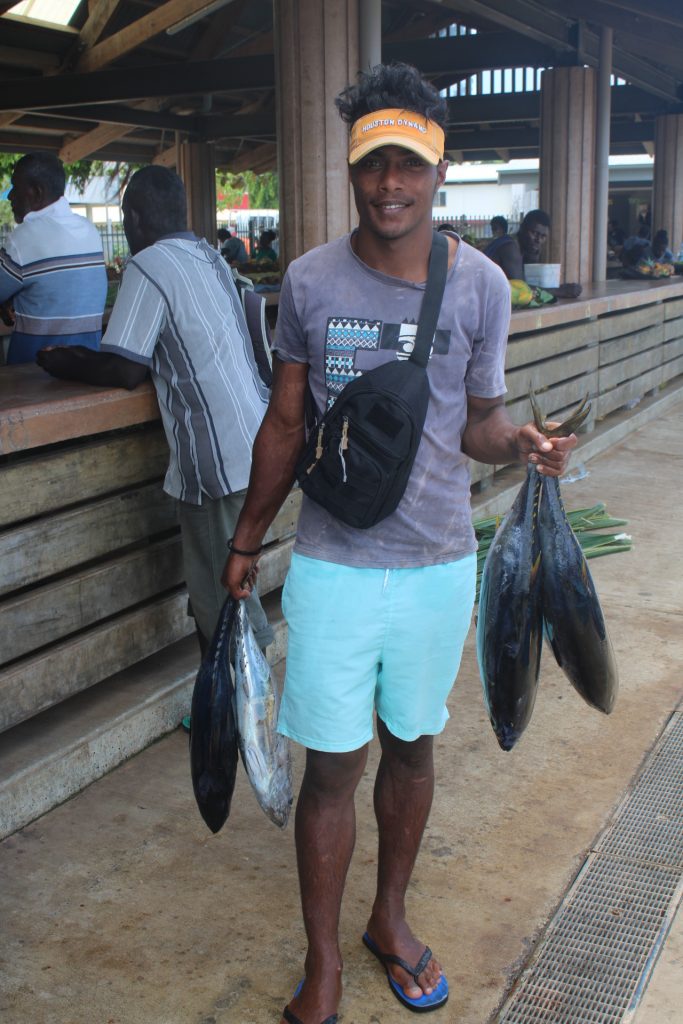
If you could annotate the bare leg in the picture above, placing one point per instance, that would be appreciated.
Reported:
(403, 797)
(325, 836)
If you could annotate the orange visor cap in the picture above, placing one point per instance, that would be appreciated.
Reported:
(394, 127)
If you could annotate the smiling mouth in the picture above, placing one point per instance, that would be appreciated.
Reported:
(391, 206)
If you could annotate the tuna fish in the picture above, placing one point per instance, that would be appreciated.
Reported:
(572, 616)
(264, 751)
(509, 621)
(573, 619)
(213, 734)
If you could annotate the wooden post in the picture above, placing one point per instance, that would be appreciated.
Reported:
(197, 168)
(567, 167)
(316, 55)
(667, 207)
(370, 27)
(602, 117)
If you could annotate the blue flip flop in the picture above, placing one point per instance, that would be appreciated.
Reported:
(292, 1018)
(425, 1003)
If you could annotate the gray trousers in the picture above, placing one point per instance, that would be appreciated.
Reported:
(205, 530)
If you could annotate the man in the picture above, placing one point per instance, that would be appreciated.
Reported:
(178, 316)
(377, 618)
(232, 248)
(528, 247)
(661, 253)
(499, 233)
(52, 271)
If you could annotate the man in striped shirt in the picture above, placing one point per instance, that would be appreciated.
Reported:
(179, 317)
(52, 270)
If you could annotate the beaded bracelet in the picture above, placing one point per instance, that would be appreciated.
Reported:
(240, 551)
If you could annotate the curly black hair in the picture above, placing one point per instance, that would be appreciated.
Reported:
(391, 85)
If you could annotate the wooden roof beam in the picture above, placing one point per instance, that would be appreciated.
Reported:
(134, 35)
(455, 55)
(8, 117)
(215, 32)
(100, 13)
(523, 16)
(224, 75)
(38, 60)
(635, 33)
(90, 142)
(133, 116)
(258, 159)
(660, 10)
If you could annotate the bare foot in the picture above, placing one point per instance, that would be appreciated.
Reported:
(397, 939)
(319, 996)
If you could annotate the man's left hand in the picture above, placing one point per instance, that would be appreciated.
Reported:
(7, 314)
(550, 455)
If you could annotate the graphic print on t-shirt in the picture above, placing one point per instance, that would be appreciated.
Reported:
(346, 336)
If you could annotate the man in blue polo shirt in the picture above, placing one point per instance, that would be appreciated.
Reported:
(52, 270)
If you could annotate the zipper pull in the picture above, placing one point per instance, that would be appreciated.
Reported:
(318, 450)
(345, 434)
(319, 446)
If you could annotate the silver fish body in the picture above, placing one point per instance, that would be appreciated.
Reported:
(573, 619)
(509, 620)
(265, 753)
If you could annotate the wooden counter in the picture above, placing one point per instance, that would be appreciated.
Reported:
(92, 577)
(36, 409)
(618, 342)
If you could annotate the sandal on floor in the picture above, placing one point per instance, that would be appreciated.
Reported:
(426, 1002)
(292, 1018)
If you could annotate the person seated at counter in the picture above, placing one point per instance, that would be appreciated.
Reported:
(232, 248)
(615, 236)
(636, 248)
(265, 250)
(527, 246)
(53, 281)
(499, 233)
(661, 253)
(178, 316)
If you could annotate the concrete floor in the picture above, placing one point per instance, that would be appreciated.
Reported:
(119, 907)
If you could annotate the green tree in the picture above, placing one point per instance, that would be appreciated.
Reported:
(78, 174)
(263, 189)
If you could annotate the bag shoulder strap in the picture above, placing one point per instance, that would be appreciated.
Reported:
(254, 306)
(433, 297)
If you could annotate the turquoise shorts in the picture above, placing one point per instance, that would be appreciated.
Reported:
(364, 640)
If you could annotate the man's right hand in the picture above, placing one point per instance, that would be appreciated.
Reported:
(239, 575)
(7, 314)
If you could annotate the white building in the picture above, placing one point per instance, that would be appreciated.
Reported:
(476, 192)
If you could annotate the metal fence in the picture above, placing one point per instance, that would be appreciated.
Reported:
(475, 227)
(115, 245)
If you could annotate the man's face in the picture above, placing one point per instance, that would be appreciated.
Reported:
(23, 196)
(532, 241)
(394, 191)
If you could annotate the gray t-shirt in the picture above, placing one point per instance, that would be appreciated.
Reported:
(342, 318)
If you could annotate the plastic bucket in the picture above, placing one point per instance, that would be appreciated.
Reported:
(545, 275)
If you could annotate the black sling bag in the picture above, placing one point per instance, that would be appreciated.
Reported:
(359, 455)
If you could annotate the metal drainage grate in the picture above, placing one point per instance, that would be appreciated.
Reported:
(596, 957)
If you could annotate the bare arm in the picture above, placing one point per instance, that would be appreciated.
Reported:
(491, 436)
(76, 362)
(276, 449)
(509, 259)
